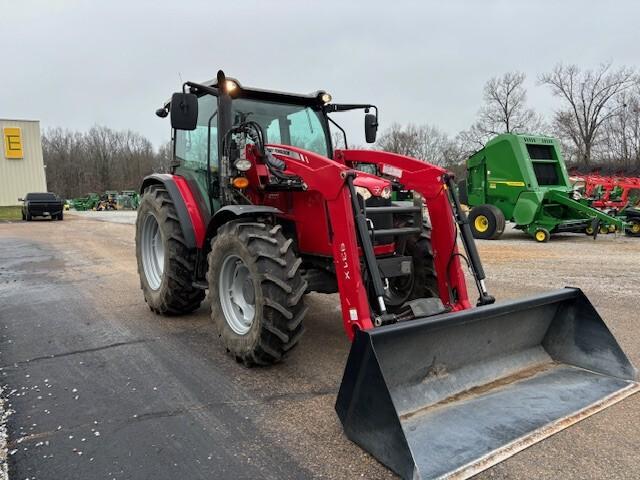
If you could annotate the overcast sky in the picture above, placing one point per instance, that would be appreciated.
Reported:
(74, 64)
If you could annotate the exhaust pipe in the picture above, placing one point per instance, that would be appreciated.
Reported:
(451, 395)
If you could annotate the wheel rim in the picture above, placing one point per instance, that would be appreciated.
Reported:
(635, 228)
(481, 223)
(152, 250)
(540, 236)
(237, 295)
(589, 231)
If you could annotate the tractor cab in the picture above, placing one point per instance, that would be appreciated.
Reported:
(269, 117)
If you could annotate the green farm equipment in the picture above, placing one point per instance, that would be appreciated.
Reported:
(632, 216)
(86, 203)
(523, 179)
(127, 200)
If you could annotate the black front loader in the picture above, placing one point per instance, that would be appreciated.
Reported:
(449, 396)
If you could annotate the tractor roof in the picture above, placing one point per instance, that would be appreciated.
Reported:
(310, 99)
(313, 98)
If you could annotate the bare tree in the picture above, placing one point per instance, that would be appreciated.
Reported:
(620, 144)
(505, 106)
(164, 158)
(424, 142)
(589, 101)
(504, 111)
(98, 160)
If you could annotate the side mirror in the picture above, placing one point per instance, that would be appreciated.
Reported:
(184, 111)
(370, 127)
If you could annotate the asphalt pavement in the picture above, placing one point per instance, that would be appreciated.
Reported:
(103, 388)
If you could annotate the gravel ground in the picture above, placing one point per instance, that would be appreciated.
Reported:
(167, 398)
(113, 216)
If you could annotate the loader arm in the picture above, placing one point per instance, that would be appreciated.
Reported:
(430, 182)
(329, 178)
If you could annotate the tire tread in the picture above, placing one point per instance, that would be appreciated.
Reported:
(283, 289)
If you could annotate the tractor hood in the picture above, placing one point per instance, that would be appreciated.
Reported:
(378, 187)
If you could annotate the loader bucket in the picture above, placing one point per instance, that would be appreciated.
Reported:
(451, 395)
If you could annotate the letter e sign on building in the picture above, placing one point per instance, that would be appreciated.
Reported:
(13, 143)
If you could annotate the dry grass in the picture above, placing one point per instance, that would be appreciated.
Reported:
(10, 213)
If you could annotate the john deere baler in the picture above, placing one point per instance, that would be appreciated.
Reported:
(523, 179)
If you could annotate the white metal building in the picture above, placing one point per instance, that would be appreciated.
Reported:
(21, 164)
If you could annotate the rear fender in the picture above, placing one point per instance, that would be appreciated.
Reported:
(189, 215)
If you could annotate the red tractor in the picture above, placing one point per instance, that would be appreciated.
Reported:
(260, 210)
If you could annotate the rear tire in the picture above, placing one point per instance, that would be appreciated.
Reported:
(167, 279)
(256, 291)
(487, 222)
(60, 216)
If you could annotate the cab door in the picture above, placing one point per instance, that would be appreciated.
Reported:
(191, 148)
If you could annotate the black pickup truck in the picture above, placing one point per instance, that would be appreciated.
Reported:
(42, 205)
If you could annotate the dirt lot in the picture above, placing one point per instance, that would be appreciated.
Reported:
(102, 388)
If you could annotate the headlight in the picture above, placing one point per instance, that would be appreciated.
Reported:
(242, 165)
(386, 192)
(325, 97)
(231, 86)
(363, 192)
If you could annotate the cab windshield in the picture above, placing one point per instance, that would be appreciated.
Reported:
(296, 125)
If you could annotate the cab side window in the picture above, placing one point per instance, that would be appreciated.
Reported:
(191, 146)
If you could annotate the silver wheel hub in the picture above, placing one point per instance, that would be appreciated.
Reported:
(152, 251)
(237, 294)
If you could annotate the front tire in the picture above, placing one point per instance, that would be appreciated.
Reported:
(165, 264)
(256, 291)
(423, 281)
(541, 235)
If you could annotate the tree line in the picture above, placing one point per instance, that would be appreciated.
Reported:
(98, 160)
(597, 121)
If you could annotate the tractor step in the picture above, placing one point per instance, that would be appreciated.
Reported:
(397, 231)
(395, 209)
